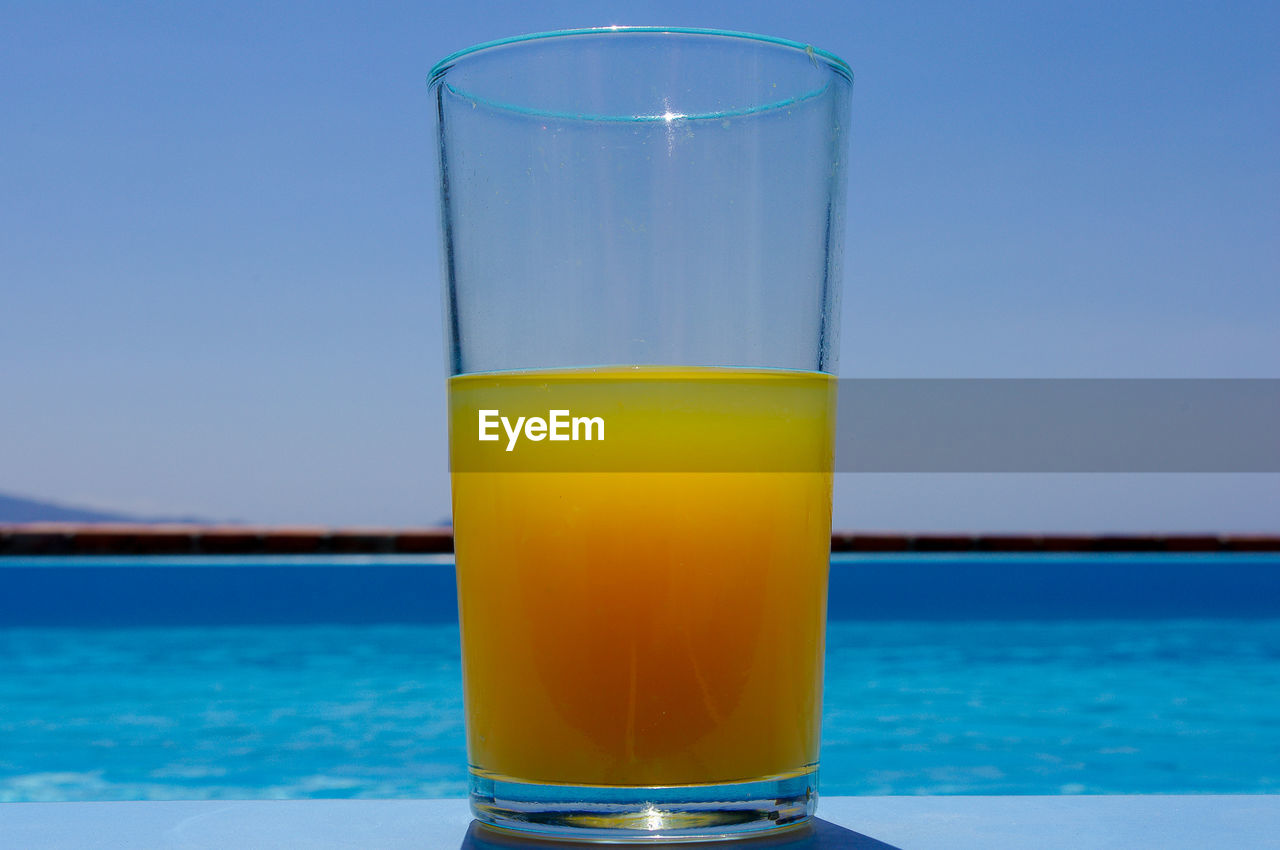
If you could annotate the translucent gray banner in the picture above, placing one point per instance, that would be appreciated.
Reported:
(1058, 425)
(720, 421)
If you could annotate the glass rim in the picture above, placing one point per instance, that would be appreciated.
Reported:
(832, 62)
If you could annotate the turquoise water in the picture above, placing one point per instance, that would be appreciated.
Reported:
(978, 707)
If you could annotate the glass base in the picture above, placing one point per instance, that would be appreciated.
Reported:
(671, 813)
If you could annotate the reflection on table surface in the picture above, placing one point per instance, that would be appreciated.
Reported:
(817, 834)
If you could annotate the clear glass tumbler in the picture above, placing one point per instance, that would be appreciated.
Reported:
(642, 244)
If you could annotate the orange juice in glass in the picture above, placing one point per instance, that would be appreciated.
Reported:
(641, 424)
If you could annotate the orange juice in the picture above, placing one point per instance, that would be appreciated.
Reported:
(647, 608)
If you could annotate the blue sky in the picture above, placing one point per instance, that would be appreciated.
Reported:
(219, 266)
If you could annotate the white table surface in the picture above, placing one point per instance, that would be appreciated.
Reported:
(1247, 822)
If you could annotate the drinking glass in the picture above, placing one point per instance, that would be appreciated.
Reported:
(642, 234)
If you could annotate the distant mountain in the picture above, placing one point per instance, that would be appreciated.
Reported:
(18, 509)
